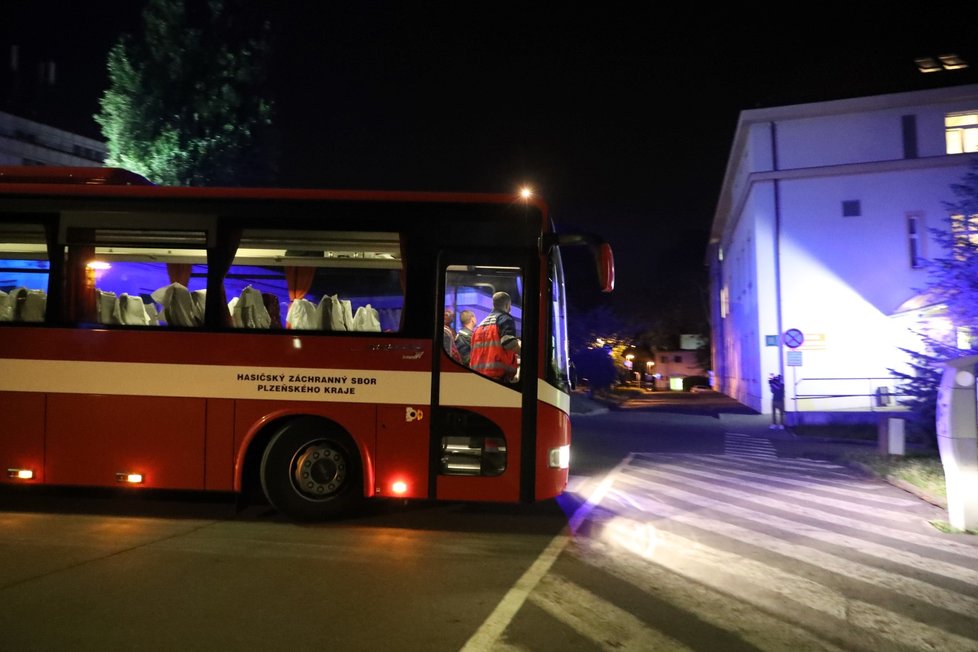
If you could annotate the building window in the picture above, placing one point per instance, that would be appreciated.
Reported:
(851, 208)
(961, 132)
(913, 239)
(909, 136)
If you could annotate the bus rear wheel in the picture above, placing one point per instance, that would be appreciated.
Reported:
(311, 470)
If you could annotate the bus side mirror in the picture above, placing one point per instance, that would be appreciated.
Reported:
(605, 260)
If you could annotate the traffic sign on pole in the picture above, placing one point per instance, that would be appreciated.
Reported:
(793, 338)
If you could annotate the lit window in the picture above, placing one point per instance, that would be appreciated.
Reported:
(961, 132)
(965, 229)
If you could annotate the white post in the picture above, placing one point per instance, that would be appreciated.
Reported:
(957, 439)
(892, 439)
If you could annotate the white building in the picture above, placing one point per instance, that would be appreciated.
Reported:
(819, 234)
(25, 142)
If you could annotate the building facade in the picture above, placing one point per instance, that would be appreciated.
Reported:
(819, 241)
(25, 142)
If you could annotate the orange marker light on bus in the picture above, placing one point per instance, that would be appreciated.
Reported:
(399, 487)
(129, 478)
(20, 474)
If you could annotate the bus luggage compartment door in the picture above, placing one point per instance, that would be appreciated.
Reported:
(91, 439)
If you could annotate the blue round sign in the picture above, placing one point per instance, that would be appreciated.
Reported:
(793, 338)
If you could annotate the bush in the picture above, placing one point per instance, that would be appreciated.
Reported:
(596, 369)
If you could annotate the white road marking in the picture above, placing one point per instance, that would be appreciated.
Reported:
(491, 629)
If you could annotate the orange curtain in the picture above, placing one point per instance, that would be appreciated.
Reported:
(299, 280)
(179, 273)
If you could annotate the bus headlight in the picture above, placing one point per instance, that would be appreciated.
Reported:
(560, 457)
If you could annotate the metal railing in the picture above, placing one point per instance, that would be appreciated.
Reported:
(881, 392)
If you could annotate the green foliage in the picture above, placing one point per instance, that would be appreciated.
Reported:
(952, 284)
(920, 383)
(186, 104)
(922, 471)
(585, 328)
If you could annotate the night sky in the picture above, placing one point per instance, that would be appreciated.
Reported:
(621, 115)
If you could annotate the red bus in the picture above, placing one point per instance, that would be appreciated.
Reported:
(282, 342)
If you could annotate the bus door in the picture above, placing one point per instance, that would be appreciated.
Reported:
(478, 396)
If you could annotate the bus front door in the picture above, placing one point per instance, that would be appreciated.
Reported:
(477, 386)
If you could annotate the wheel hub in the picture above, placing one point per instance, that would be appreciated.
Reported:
(319, 471)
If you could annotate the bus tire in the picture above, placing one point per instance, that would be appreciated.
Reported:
(311, 470)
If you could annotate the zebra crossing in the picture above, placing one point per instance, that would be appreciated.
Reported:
(775, 553)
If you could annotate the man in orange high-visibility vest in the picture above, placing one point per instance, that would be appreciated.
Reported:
(495, 345)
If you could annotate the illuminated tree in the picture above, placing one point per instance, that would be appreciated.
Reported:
(954, 278)
(953, 285)
(187, 102)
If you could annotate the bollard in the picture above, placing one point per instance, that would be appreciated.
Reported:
(957, 440)
(892, 437)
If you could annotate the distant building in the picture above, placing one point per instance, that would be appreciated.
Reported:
(42, 119)
(670, 368)
(818, 240)
(25, 142)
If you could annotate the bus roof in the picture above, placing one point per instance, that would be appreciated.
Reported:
(117, 182)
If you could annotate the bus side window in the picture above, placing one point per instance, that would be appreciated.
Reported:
(134, 283)
(316, 280)
(24, 272)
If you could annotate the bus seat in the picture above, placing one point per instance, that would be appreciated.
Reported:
(337, 314)
(33, 306)
(178, 305)
(152, 314)
(302, 315)
(131, 311)
(107, 307)
(200, 303)
(6, 310)
(273, 307)
(366, 319)
(15, 304)
(250, 311)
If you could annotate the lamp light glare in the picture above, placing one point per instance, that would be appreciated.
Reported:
(560, 457)
(526, 192)
(399, 487)
(98, 265)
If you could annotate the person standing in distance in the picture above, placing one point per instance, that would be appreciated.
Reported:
(448, 336)
(463, 339)
(776, 382)
(495, 345)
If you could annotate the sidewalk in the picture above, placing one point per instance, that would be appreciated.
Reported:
(581, 405)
